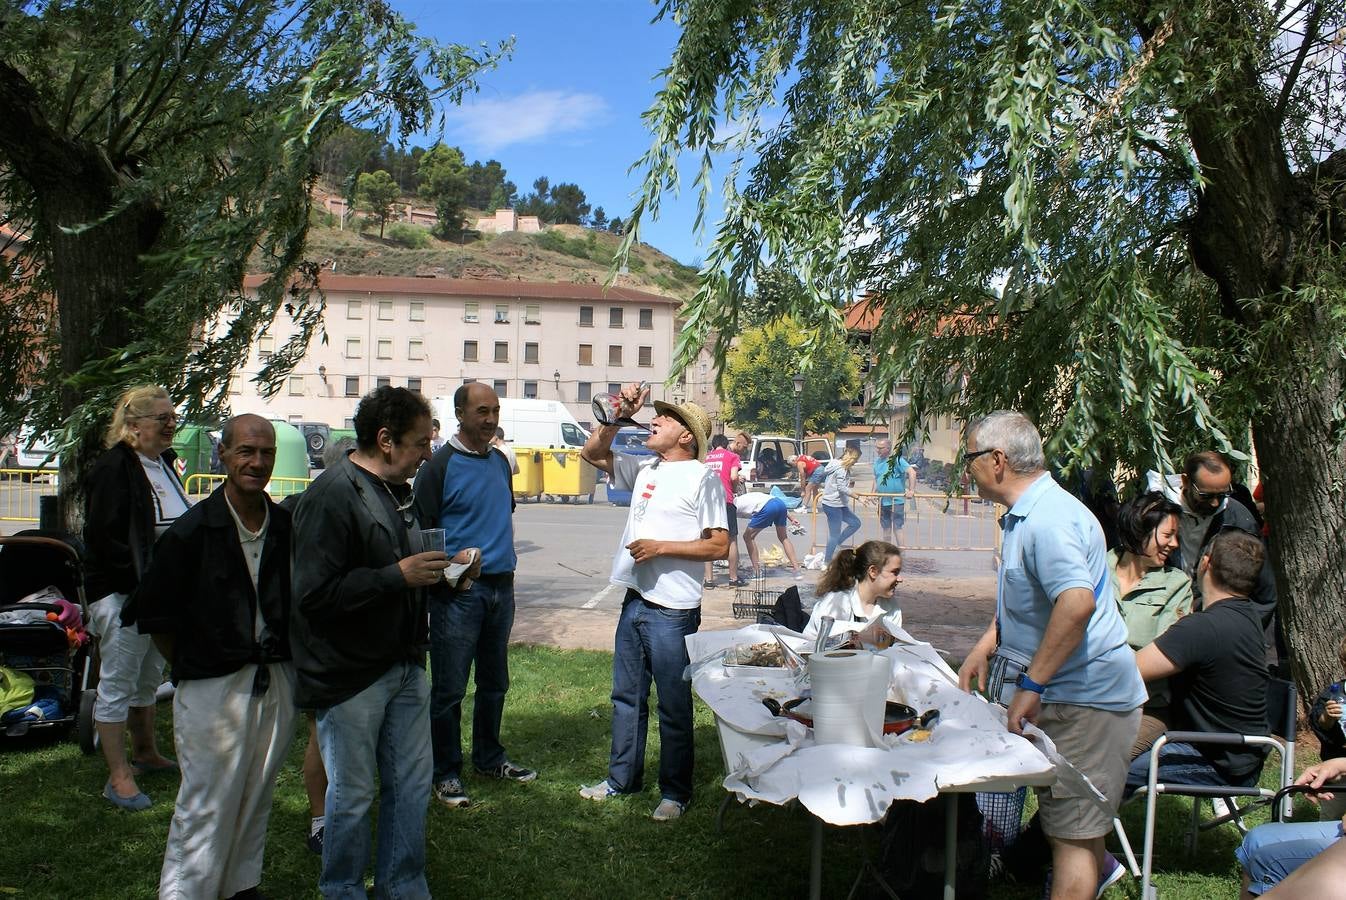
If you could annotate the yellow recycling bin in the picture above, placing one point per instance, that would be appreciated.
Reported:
(528, 483)
(566, 475)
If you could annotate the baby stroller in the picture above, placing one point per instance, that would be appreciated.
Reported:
(63, 668)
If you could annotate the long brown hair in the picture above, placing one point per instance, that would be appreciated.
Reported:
(850, 566)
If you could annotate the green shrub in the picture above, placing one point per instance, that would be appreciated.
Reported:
(408, 236)
(559, 243)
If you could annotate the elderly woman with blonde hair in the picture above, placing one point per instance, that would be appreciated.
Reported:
(133, 494)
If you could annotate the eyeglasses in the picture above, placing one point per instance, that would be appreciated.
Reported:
(968, 457)
(1212, 495)
(162, 418)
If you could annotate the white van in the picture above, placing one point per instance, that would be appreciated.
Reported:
(527, 423)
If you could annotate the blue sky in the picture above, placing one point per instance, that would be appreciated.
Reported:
(567, 104)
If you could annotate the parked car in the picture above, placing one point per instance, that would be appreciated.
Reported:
(629, 442)
(317, 435)
(767, 464)
(33, 451)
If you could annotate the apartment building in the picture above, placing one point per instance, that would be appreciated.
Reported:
(563, 342)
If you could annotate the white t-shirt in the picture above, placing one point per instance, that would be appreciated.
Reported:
(169, 499)
(508, 453)
(751, 503)
(670, 501)
(252, 543)
(844, 607)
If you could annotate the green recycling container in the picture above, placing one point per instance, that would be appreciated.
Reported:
(290, 476)
(193, 446)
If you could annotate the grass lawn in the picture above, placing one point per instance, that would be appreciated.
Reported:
(62, 840)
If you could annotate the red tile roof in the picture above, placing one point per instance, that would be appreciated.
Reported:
(486, 288)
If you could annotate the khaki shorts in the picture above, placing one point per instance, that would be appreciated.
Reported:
(1098, 743)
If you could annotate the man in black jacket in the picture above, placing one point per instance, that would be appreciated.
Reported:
(216, 600)
(359, 636)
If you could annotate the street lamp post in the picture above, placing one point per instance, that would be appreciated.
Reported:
(799, 423)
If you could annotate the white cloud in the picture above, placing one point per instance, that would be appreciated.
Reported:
(489, 126)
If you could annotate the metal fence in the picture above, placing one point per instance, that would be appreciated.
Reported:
(199, 486)
(933, 522)
(20, 490)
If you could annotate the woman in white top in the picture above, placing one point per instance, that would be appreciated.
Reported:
(835, 502)
(133, 496)
(858, 591)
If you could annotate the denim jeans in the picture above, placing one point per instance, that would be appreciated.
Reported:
(1180, 764)
(466, 626)
(1271, 852)
(837, 535)
(383, 732)
(649, 647)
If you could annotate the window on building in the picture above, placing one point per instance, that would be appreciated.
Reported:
(353, 348)
(532, 314)
(647, 319)
(352, 385)
(386, 310)
(296, 385)
(471, 312)
(614, 317)
(586, 354)
(416, 310)
(355, 309)
(614, 354)
(586, 317)
(586, 392)
(500, 388)
(502, 312)
(382, 381)
(385, 348)
(530, 390)
(502, 351)
(415, 349)
(348, 422)
(266, 345)
(530, 352)
(469, 351)
(614, 388)
(414, 384)
(646, 356)
(235, 384)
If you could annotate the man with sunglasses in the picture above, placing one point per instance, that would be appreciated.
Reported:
(359, 635)
(1208, 508)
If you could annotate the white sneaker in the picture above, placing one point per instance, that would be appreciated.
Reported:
(668, 810)
(598, 792)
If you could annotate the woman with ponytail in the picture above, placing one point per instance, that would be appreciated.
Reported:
(858, 591)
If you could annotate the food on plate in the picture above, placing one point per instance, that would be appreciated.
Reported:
(764, 654)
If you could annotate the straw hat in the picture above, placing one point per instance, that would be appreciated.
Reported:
(694, 418)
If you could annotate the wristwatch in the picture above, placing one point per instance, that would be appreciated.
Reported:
(1029, 684)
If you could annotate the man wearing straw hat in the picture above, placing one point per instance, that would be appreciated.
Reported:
(676, 523)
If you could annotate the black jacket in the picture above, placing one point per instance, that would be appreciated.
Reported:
(353, 616)
(198, 590)
(1235, 515)
(118, 521)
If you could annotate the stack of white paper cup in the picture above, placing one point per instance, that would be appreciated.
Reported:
(850, 688)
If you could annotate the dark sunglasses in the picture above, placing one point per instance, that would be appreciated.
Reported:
(1211, 495)
(968, 457)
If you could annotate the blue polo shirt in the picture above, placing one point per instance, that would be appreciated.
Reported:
(1052, 543)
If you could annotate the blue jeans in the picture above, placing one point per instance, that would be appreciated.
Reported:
(1269, 853)
(465, 626)
(1180, 764)
(837, 516)
(383, 732)
(649, 647)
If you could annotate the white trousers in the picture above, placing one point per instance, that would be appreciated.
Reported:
(130, 668)
(230, 746)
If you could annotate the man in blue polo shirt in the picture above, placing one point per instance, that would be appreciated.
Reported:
(1057, 616)
(467, 490)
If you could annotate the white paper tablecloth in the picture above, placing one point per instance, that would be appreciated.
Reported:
(774, 759)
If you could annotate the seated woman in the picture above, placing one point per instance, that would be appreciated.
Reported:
(1273, 853)
(1151, 596)
(857, 590)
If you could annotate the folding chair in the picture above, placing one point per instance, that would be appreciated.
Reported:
(1282, 708)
